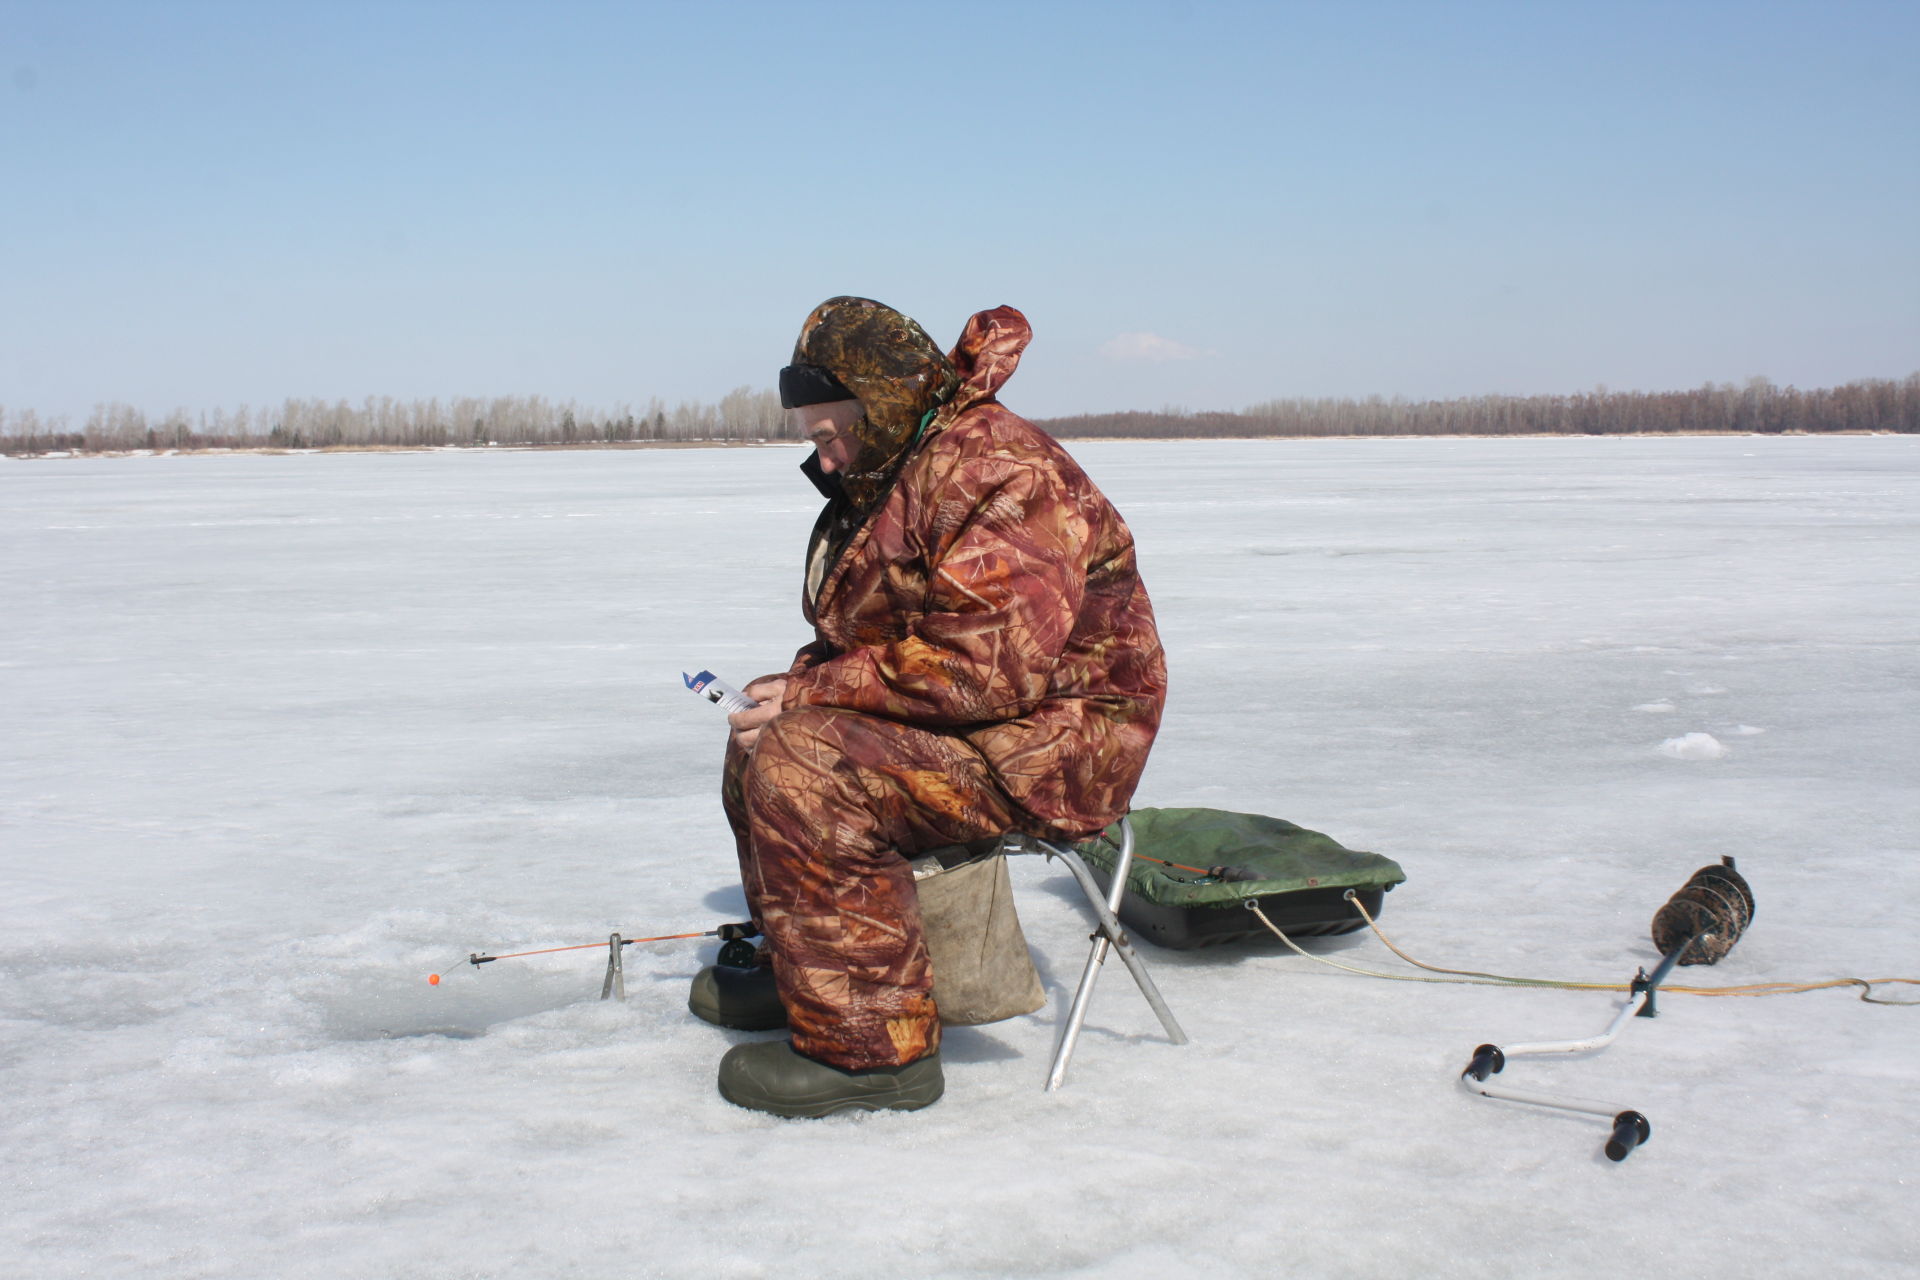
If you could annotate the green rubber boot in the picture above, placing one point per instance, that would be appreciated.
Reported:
(744, 999)
(769, 1076)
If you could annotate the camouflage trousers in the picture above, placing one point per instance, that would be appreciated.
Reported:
(823, 809)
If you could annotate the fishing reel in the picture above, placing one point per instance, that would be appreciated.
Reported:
(1713, 908)
(736, 949)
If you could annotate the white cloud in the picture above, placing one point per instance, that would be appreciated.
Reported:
(1148, 348)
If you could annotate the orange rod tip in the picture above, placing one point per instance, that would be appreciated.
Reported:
(433, 979)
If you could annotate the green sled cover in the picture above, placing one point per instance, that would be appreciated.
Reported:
(1301, 876)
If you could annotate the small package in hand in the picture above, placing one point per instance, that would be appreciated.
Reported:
(714, 689)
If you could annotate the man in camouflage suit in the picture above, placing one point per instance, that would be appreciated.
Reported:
(984, 660)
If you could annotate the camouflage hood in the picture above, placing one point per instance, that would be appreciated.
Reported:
(896, 372)
(986, 356)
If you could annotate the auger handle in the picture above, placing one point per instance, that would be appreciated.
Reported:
(1486, 1061)
(1630, 1130)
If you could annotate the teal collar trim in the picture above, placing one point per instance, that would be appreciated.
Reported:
(921, 430)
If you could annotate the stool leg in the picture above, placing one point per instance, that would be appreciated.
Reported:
(1110, 934)
(1076, 1014)
(1111, 928)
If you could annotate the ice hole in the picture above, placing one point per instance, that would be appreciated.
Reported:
(465, 1005)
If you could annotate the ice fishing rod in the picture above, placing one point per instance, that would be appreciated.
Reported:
(734, 935)
(1698, 925)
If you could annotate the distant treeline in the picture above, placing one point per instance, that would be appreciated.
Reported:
(747, 414)
(1871, 405)
(744, 414)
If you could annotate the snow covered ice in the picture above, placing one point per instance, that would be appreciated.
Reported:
(282, 735)
(1693, 746)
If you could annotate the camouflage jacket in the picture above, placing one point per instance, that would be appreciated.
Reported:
(992, 593)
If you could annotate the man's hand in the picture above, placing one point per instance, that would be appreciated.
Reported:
(766, 691)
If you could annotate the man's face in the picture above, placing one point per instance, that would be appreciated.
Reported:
(828, 427)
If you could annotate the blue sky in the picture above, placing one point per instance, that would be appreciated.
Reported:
(1203, 205)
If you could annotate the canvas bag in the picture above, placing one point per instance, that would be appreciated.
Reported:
(981, 969)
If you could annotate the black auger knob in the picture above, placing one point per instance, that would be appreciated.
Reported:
(1630, 1129)
(1486, 1061)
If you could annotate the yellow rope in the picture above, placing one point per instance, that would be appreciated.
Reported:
(1475, 978)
